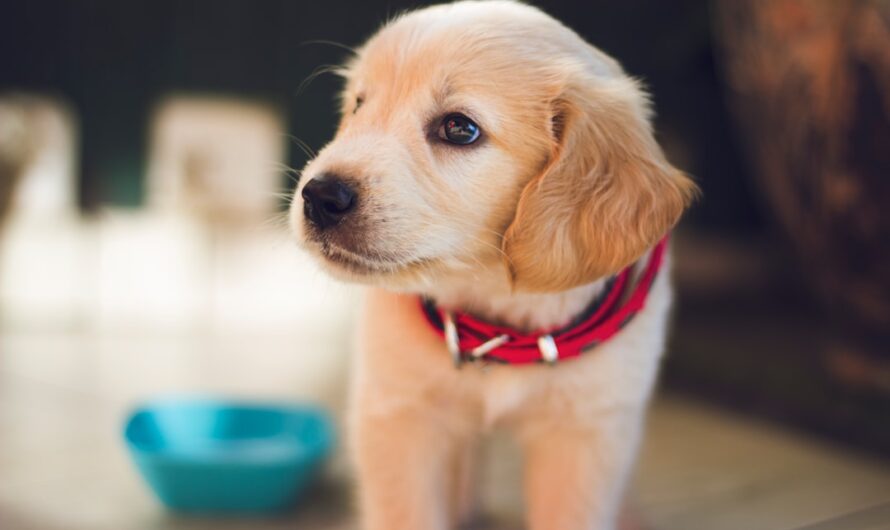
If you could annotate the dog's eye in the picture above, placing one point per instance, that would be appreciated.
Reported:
(358, 103)
(458, 129)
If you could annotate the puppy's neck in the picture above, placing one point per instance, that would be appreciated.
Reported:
(489, 296)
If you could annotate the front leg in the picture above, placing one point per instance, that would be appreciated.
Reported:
(403, 461)
(463, 500)
(575, 475)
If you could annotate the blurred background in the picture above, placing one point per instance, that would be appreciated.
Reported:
(145, 160)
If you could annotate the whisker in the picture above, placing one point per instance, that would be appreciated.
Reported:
(319, 70)
(308, 151)
(292, 174)
(277, 220)
(335, 44)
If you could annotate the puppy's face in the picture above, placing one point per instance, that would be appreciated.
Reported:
(437, 138)
(453, 154)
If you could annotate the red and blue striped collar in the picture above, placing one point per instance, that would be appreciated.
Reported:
(471, 339)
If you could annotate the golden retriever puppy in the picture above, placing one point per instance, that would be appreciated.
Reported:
(495, 180)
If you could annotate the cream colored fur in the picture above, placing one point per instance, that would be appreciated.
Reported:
(565, 187)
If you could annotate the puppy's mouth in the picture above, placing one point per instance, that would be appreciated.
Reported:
(352, 261)
(362, 264)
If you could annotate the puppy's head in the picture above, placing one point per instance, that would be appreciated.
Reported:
(486, 134)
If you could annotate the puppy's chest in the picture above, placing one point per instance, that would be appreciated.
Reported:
(502, 393)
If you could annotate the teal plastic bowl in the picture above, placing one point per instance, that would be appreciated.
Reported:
(216, 456)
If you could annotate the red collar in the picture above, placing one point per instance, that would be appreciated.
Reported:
(471, 339)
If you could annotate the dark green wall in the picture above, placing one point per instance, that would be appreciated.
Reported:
(113, 60)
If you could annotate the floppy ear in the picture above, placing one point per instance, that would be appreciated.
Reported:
(605, 197)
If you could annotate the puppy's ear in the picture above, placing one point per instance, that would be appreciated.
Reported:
(606, 195)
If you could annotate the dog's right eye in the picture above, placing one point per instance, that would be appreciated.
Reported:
(358, 103)
(458, 129)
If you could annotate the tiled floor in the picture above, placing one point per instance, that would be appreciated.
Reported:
(62, 466)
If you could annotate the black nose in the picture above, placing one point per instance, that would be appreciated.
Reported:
(326, 200)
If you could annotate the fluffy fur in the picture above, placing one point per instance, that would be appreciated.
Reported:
(565, 187)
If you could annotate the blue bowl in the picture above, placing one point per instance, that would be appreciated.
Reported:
(204, 455)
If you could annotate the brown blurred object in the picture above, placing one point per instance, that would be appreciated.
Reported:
(16, 146)
(808, 82)
(810, 87)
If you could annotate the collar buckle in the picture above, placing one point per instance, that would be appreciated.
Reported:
(452, 341)
(548, 349)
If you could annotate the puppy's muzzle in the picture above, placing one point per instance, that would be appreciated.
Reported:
(327, 200)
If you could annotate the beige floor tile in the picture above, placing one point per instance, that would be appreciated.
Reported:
(63, 466)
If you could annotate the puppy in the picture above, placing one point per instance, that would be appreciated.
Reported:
(494, 179)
